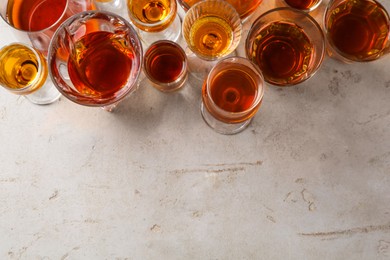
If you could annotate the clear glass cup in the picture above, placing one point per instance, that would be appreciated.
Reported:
(231, 95)
(23, 71)
(35, 21)
(95, 59)
(155, 20)
(165, 65)
(287, 45)
(303, 5)
(212, 30)
(357, 31)
(114, 6)
(244, 8)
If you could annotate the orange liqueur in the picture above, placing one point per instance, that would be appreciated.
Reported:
(34, 15)
(359, 30)
(100, 64)
(233, 89)
(165, 63)
(283, 52)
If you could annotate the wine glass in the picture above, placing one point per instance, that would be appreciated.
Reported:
(95, 59)
(231, 95)
(23, 71)
(357, 31)
(212, 30)
(155, 20)
(35, 21)
(303, 5)
(287, 45)
(244, 8)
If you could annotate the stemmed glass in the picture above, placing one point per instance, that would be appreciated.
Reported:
(23, 71)
(95, 59)
(212, 30)
(155, 20)
(35, 21)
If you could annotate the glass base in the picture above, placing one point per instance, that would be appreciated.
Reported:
(222, 127)
(172, 33)
(45, 95)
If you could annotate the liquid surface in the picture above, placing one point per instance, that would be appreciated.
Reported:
(301, 4)
(283, 52)
(19, 67)
(358, 29)
(211, 36)
(101, 64)
(164, 63)
(34, 15)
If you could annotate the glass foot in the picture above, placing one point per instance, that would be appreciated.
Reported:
(45, 95)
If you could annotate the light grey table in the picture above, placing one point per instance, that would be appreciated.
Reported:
(309, 178)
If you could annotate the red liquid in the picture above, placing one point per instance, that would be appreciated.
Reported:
(100, 65)
(359, 30)
(164, 62)
(233, 90)
(34, 15)
(301, 4)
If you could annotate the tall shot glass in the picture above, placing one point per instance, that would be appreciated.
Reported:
(357, 31)
(287, 45)
(23, 71)
(231, 95)
(95, 59)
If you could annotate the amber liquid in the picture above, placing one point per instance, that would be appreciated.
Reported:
(165, 63)
(233, 90)
(34, 15)
(152, 12)
(19, 68)
(283, 52)
(211, 36)
(100, 64)
(301, 4)
(244, 7)
(358, 29)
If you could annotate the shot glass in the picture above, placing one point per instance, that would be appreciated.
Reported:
(34, 22)
(356, 31)
(287, 45)
(95, 59)
(165, 65)
(303, 5)
(155, 20)
(231, 95)
(23, 71)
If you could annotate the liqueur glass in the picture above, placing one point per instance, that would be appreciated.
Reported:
(287, 45)
(231, 95)
(212, 30)
(357, 31)
(35, 21)
(303, 5)
(95, 59)
(23, 71)
(155, 19)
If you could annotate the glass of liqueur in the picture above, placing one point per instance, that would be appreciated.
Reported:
(155, 19)
(287, 45)
(357, 30)
(212, 30)
(244, 7)
(95, 59)
(165, 65)
(303, 5)
(23, 71)
(35, 21)
(231, 95)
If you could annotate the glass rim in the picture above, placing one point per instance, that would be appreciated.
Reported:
(170, 17)
(42, 30)
(39, 72)
(259, 91)
(183, 71)
(102, 101)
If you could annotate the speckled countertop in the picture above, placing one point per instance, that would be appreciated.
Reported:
(309, 178)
